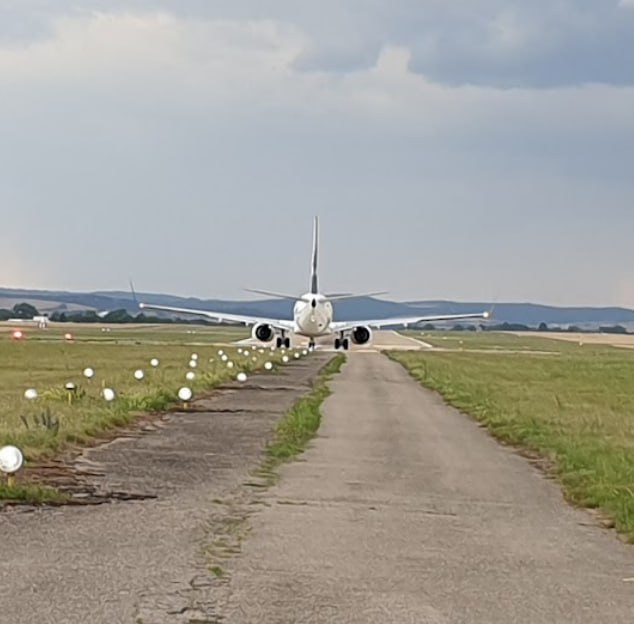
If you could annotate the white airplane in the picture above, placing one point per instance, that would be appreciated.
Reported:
(313, 316)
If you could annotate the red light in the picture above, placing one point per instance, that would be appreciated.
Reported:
(17, 334)
(68, 336)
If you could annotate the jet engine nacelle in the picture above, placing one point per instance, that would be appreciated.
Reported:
(361, 335)
(263, 332)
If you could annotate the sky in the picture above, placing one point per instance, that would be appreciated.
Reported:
(479, 150)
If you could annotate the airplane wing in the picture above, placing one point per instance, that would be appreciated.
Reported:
(404, 320)
(280, 324)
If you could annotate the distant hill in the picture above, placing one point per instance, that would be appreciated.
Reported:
(531, 314)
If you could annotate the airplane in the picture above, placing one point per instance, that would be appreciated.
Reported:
(313, 315)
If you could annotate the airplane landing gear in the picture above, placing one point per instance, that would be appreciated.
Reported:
(311, 345)
(283, 342)
(342, 343)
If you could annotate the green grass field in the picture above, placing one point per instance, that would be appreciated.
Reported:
(162, 333)
(574, 407)
(46, 362)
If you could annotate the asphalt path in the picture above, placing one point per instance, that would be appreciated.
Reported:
(404, 510)
(148, 561)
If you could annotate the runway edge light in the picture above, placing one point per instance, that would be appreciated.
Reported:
(185, 395)
(11, 460)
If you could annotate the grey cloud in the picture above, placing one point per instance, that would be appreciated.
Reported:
(499, 43)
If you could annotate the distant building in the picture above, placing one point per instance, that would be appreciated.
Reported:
(41, 321)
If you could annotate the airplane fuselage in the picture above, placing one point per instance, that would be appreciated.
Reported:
(312, 315)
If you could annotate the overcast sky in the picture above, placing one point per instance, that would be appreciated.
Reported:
(462, 150)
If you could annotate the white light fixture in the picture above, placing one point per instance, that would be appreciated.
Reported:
(193, 363)
(190, 376)
(229, 364)
(139, 374)
(11, 459)
(89, 373)
(71, 389)
(268, 365)
(224, 357)
(241, 377)
(185, 393)
(30, 394)
(108, 394)
(194, 356)
(154, 362)
(285, 359)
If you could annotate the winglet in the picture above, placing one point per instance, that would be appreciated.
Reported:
(134, 298)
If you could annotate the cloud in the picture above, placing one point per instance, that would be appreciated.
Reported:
(498, 43)
(224, 66)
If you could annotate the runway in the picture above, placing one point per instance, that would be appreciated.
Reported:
(381, 341)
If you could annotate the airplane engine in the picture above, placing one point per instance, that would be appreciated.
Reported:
(361, 335)
(263, 332)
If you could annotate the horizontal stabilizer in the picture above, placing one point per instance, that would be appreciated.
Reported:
(340, 296)
(272, 294)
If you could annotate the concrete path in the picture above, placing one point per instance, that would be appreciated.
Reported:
(405, 511)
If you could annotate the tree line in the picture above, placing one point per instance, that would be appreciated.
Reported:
(26, 311)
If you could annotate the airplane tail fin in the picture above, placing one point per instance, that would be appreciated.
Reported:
(314, 285)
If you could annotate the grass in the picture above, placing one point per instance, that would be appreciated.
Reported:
(301, 423)
(495, 341)
(30, 492)
(575, 410)
(43, 427)
(217, 571)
